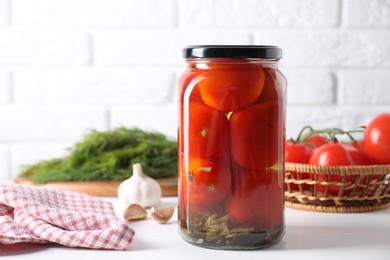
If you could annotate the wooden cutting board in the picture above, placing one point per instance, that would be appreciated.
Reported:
(101, 188)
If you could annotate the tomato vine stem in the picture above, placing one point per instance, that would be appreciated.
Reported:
(332, 133)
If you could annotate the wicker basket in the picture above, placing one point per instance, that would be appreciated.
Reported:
(356, 188)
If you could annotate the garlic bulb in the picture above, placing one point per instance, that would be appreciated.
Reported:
(139, 189)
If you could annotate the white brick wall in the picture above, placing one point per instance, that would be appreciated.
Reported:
(5, 87)
(160, 118)
(257, 14)
(4, 12)
(28, 153)
(99, 13)
(88, 86)
(71, 65)
(43, 47)
(317, 116)
(48, 123)
(368, 13)
(366, 87)
(149, 47)
(331, 47)
(5, 173)
(310, 87)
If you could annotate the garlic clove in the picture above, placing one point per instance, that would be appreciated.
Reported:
(162, 215)
(134, 212)
(139, 189)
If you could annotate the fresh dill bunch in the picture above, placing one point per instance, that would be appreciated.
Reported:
(109, 155)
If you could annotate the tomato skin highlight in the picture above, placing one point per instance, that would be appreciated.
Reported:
(376, 143)
(336, 154)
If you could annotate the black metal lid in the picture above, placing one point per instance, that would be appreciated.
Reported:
(233, 51)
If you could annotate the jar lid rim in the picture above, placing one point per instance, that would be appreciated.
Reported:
(233, 51)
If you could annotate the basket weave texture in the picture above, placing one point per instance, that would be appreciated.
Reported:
(340, 189)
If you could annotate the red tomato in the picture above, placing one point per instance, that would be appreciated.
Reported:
(254, 136)
(231, 87)
(270, 89)
(185, 78)
(187, 86)
(207, 182)
(299, 153)
(257, 200)
(208, 132)
(317, 140)
(377, 139)
(358, 144)
(193, 97)
(336, 154)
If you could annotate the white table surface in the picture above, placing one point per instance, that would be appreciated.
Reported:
(309, 235)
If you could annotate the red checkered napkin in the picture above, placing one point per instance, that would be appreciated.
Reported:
(39, 215)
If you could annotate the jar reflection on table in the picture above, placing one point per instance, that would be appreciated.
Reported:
(231, 136)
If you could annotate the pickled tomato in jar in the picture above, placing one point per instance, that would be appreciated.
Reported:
(231, 132)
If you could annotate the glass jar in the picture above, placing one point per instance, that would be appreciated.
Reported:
(231, 132)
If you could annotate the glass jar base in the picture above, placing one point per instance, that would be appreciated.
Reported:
(250, 241)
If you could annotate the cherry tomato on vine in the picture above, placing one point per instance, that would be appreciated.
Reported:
(208, 182)
(317, 140)
(231, 87)
(336, 154)
(298, 153)
(377, 139)
(257, 200)
(358, 144)
(208, 132)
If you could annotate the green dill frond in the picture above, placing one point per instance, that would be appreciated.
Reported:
(109, 156)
